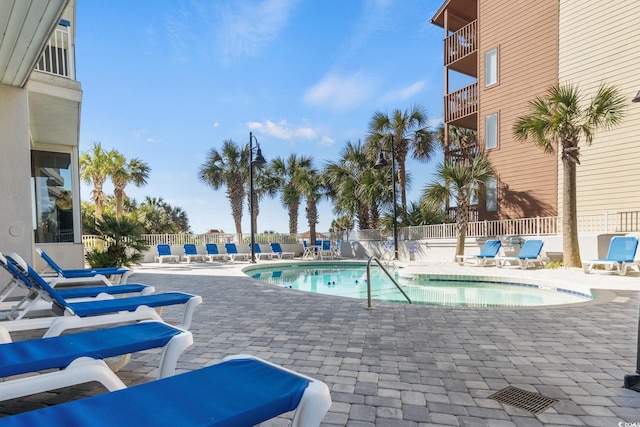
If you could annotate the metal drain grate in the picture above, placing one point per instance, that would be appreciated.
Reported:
(532, 402)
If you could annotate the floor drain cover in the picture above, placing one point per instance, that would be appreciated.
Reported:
(532, 402)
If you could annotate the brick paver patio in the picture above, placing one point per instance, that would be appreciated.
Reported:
(409, 365)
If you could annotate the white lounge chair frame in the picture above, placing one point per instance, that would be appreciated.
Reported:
(619, 267)
(86, 369)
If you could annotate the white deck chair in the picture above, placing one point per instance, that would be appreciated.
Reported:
(277, 250)
(77, 358)
(20, 270)
(239, 391)
(106, 275)
(530, 255)
(620, 256)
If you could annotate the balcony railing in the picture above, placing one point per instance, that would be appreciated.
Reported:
(57, 58)
(461, 103)
(461, 43)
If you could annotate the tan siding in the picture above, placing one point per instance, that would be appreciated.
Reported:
(599, 42)
(526, 35)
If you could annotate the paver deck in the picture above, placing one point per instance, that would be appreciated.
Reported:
(410, 365)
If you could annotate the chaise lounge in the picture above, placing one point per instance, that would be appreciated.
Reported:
(20, 270)
(78, 358)
(240, 391)
(620, 256)
(530, 255)
(83, 275)
(487, 255)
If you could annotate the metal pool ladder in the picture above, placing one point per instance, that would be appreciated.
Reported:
(369, 306)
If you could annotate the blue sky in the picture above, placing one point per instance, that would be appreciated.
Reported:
(168, 80)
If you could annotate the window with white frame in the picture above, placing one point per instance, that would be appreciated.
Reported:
(491, 186)
(53, 196)
(491, 67)
(491, 131)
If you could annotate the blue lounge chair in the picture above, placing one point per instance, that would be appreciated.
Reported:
(213, 253)
(277, 249)
(84, 275)
(20, 270)
(30, 299)
(486, 257)
(164, 254)
(240, 391)
(530, 255)
(620, 256)
(79, 357)
(259, 253)
(191, 253)
(233, 253)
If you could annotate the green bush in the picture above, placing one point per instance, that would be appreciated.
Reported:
(123, 244)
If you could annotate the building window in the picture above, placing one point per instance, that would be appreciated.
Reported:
(53, 200)
(491, 194)
(491, 67)
(491, 131)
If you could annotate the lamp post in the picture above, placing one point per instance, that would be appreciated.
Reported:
(382, 162)
(257, 160)
(632, 381)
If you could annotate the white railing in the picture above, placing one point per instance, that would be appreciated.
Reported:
(607, 222)
(57, 58)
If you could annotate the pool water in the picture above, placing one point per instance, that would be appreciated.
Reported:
(350, 280)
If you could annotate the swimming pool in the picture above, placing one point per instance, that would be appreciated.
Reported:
(349, 280)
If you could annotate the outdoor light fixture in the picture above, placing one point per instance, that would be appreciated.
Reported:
(382, 162)
(632, 381)
(255, 160)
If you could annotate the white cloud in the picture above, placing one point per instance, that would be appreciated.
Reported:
(341, 93)
(406, 92)
(247, 28)
(327, 141)
(282, 130)
(216, 124)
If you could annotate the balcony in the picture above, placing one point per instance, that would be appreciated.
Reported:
(461, 107)
(57, 58)
(461, 50)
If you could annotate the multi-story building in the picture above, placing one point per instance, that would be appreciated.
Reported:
(39, 130)
(499, 55)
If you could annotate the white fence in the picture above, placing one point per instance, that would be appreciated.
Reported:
(604, 223)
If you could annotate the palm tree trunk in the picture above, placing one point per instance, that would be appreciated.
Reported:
(570, 246)
(293, 219)
(462, 221)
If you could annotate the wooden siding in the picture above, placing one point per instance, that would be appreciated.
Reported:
(526, 36)
(599, 43)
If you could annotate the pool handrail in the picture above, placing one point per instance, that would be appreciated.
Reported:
(371, 258)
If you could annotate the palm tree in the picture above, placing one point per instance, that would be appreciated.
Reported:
(310, 184)
(125, 172)
(228, 167)
(123, 238)
(350, 185)
(283, 173)
(410, 133)
(342, 227)
(462, 143)
(460, 181)
(94, 168)
(557, 121)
